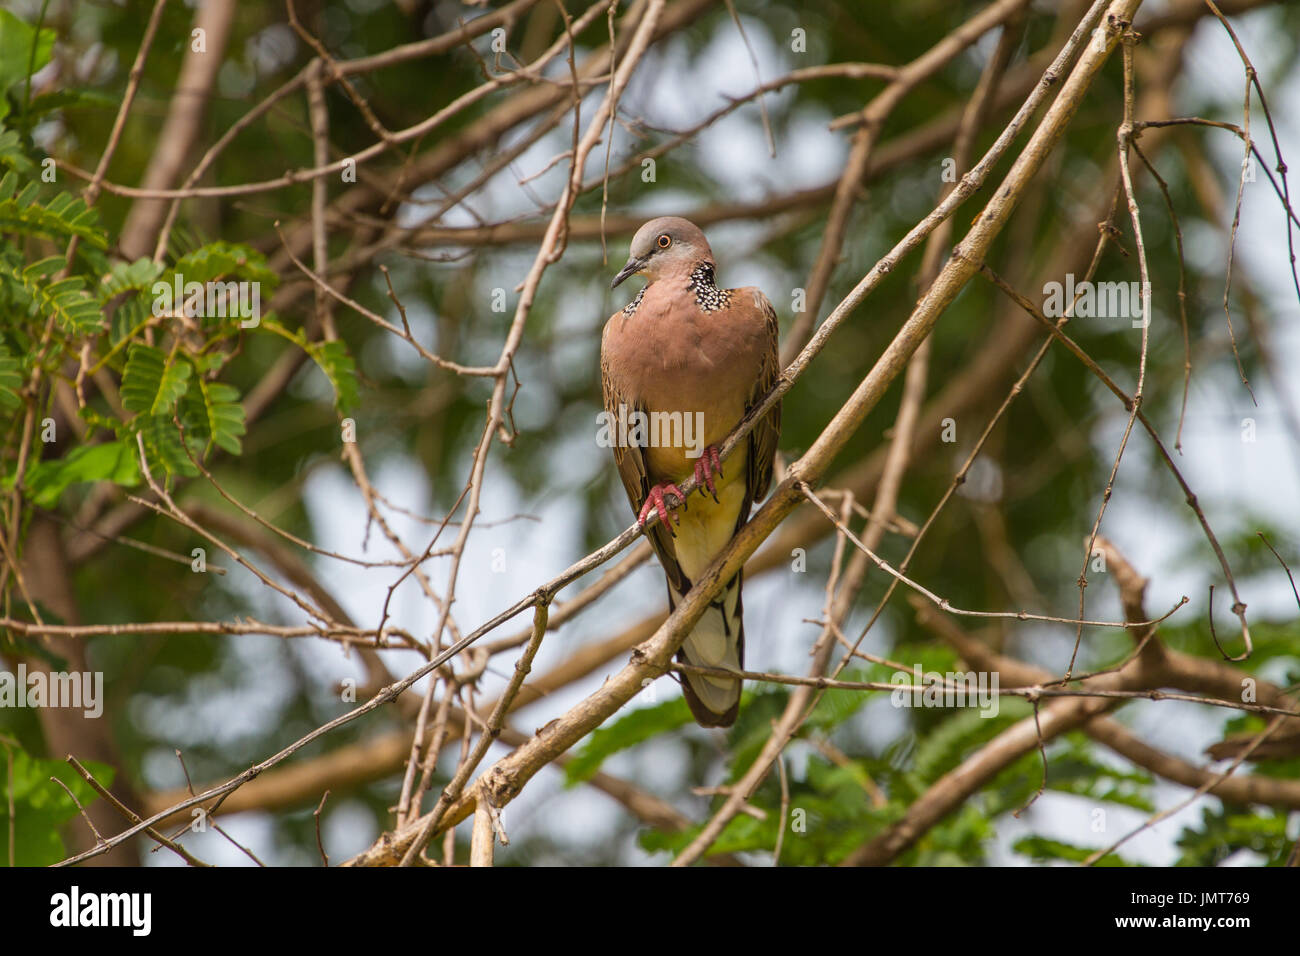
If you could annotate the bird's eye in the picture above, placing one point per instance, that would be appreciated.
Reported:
(665, 241)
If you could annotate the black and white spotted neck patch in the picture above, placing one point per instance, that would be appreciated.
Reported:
(630, 308)
(707, 294)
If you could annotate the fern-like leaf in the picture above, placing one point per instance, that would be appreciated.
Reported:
(219, 259)
(211, 414)
(11, 381)
(61, 218)
(341, 370)
(152, 382)
(66, 299)
(128, 276)
(12, 155)
(162, 445)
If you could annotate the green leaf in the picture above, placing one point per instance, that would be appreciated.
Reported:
(759, 706)
(130, 317)
(1076, 770)
(1042, 850)
(1225, 831)
(127, 276)
(11, 381)
(66, 299)
(162, 445)
(340, 369)
(71, 99)
(44, 268)
(221, 284)
(211, 414)
(41, 806)
(132, 312)
(114, 461)
(333, 359)
(61, 218)
(628, 731)
(12, 154)
(966, 730)
(152, 383)
(742, 833)
(837, 706)
(225, 415)
(17, 39)
(219, 260)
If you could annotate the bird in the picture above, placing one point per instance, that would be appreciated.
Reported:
(686, 346)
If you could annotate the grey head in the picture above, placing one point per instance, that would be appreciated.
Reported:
(665, 247)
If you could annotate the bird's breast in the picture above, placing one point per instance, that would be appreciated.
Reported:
(670, 356)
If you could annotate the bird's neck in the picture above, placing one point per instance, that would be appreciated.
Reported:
(703, 284)
(699, 281)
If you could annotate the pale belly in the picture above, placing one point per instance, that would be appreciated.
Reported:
(706, 527)
(674, 455)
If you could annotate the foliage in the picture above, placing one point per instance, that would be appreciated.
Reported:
(40, 805)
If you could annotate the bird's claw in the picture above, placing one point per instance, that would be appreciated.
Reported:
(655, 500)
(708, 465)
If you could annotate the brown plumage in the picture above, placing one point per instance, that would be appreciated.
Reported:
(684, 345)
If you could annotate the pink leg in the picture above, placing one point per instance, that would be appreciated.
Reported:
(708, 465)
(655, 500)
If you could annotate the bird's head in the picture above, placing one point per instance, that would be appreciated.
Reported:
(663, 247)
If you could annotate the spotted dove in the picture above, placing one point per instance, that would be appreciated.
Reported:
(684, 345)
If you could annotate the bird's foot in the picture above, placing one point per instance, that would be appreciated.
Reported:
(655, 500)
(708, 465)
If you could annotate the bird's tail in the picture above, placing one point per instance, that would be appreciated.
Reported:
(718, 640)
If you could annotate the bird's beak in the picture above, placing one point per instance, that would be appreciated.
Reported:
(634, 265)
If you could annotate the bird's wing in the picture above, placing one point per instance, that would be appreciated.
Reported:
(763, 439)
